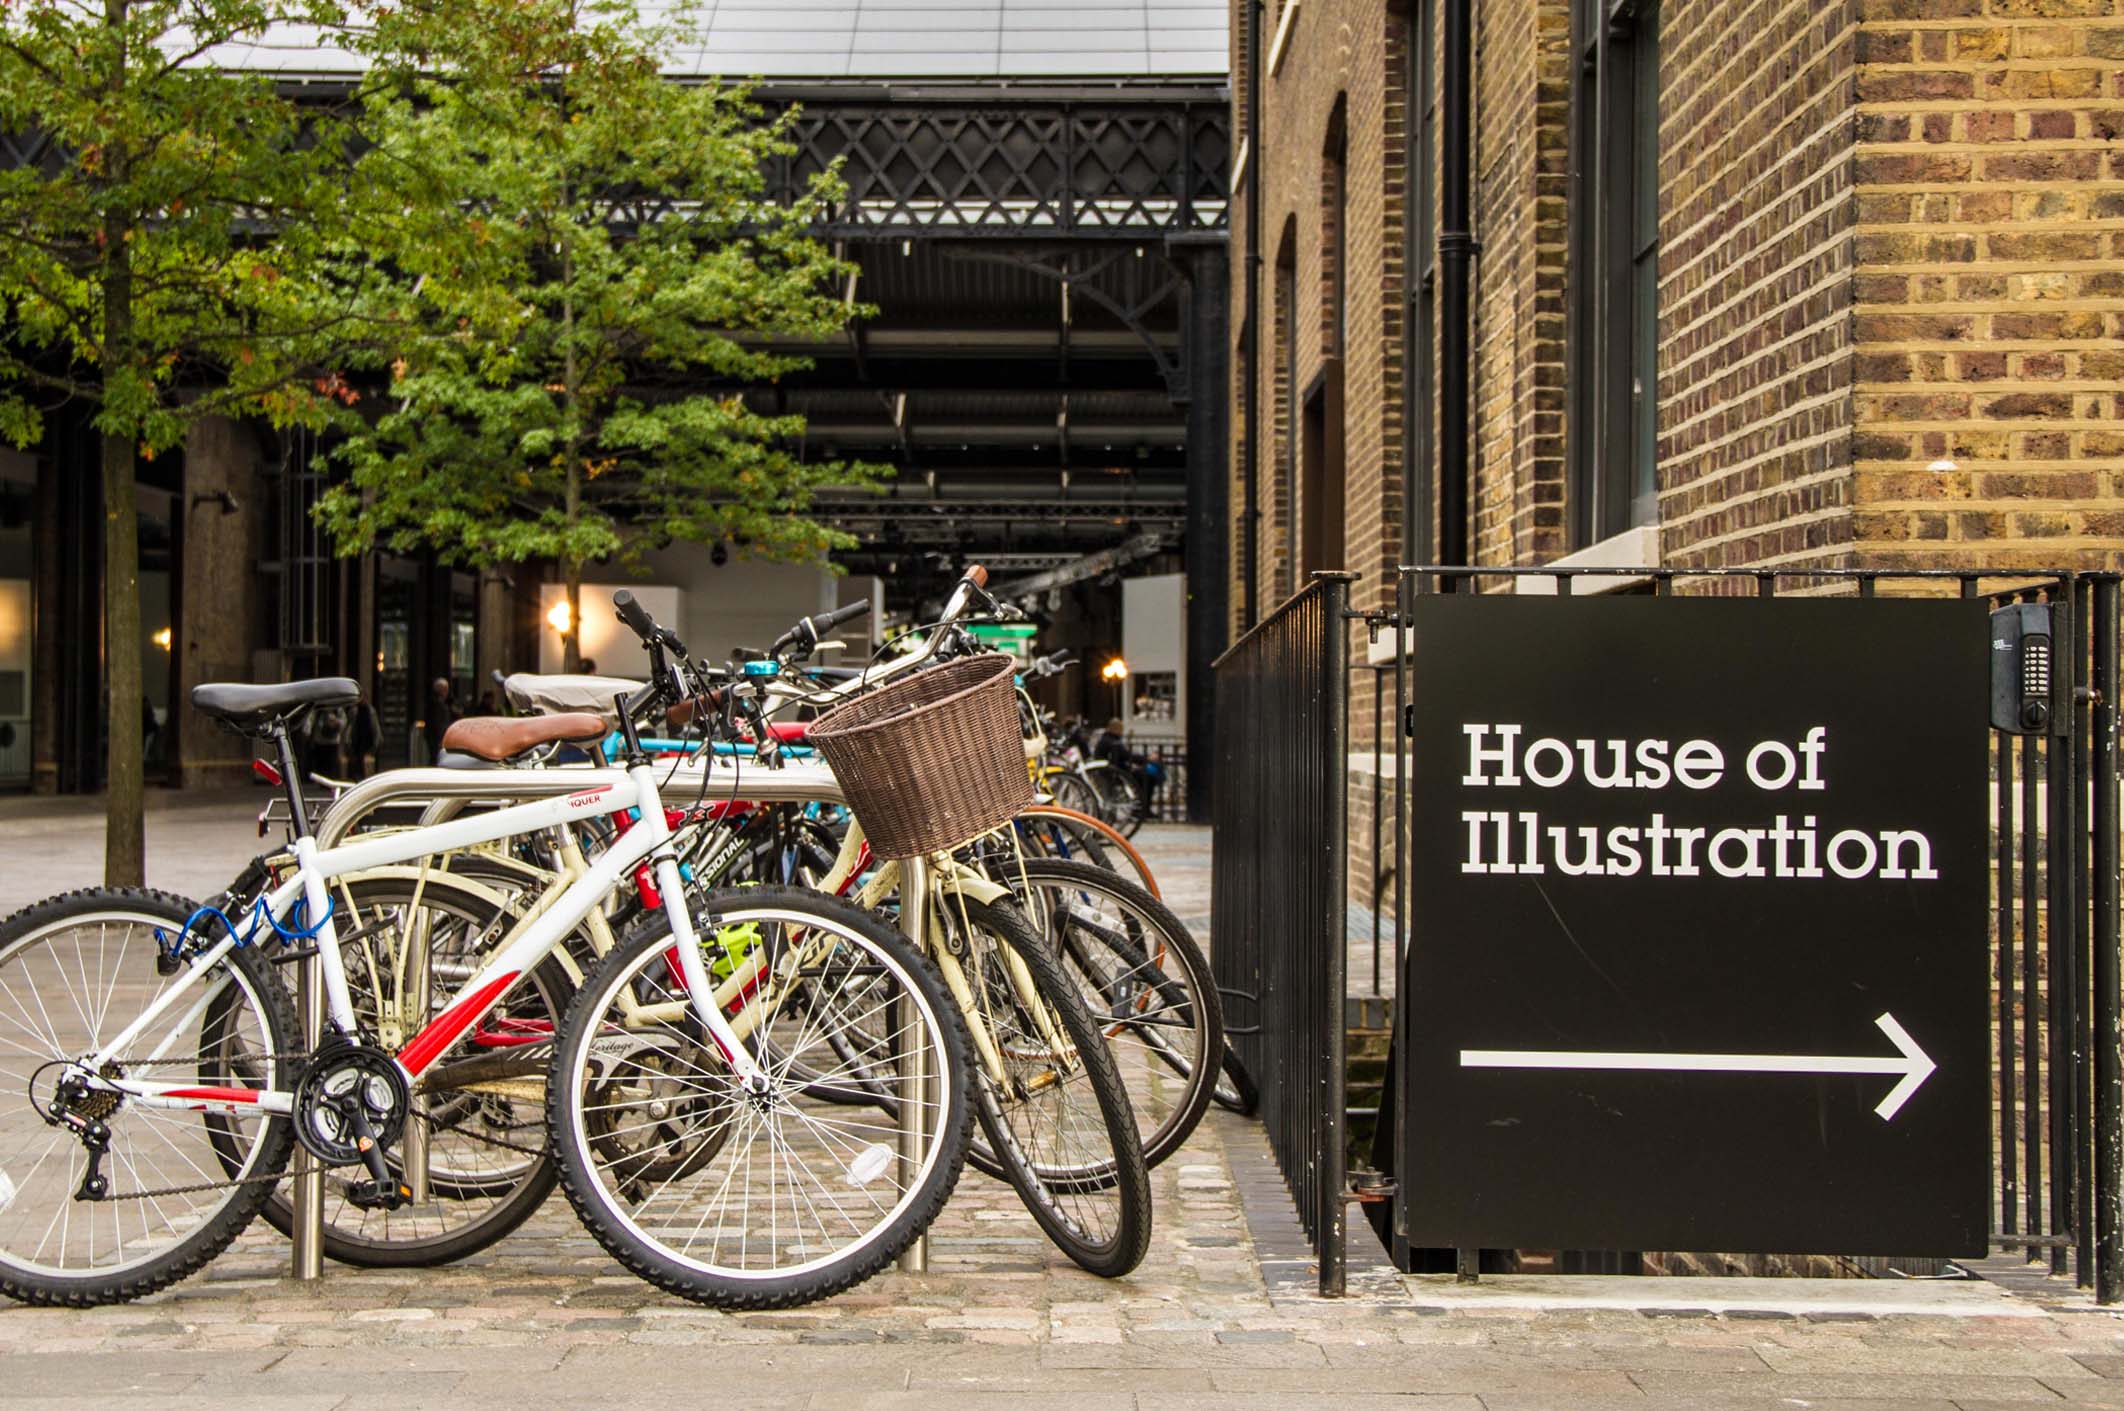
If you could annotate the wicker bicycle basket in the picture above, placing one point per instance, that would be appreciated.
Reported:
(933, 760)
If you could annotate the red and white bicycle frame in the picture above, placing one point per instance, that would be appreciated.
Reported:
(602, 792)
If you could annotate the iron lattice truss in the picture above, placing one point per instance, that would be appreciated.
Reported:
(1120, 164)
(1103, 167)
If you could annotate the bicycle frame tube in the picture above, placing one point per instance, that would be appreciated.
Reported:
(608, 792)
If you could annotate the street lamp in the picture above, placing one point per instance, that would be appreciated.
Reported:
(1116, 671)
(557, 617)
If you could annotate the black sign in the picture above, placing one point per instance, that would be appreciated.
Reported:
(1699, 953)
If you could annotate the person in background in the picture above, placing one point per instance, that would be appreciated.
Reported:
(364, 736)
(1141, 770)
(442, 714)
(325, 742)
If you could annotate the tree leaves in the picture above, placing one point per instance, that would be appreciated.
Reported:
(586, 267)
(130, 268)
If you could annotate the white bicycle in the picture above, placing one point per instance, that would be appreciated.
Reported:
(757, 1104)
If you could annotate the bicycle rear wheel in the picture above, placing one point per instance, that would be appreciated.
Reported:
(1147, 983)
(761, 1200)
(1053, 1109)
(1049, 830)
(75, 971)
(482, 1101)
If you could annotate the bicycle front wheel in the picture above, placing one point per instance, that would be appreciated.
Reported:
(761, 1199)
(1054, 1113)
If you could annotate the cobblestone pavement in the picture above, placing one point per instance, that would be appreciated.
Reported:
(1217, 1316)
(197, 841)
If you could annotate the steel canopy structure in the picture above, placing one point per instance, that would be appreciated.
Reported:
(1036, 199)
(1036, 204)
(1039, 258)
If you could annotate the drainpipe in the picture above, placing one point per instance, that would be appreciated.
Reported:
(1456, 253)
(1252, 326)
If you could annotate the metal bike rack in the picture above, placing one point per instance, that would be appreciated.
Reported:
(914, 917)
(448, 792)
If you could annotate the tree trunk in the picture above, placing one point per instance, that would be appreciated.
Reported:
(124, 835)
(124, 840)
(574, 504)
(572, 639)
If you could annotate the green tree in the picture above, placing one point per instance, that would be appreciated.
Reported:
(134, 278)
(593, 272)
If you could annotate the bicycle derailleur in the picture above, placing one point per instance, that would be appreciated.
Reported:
(351, 1106)
(83, 1110)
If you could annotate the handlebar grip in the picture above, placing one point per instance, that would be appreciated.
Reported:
(826, 621)
(634, 615)
(977, 575)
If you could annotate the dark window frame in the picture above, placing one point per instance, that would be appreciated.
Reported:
(1611, 330)
(1419, 293)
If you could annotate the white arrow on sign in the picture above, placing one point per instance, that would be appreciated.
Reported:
(1912, 1068)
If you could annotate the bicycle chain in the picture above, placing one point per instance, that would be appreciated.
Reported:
(158, 1192)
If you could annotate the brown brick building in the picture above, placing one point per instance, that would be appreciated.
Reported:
(1760, 282)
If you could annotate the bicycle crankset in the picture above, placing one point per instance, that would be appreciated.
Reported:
(351, 1105)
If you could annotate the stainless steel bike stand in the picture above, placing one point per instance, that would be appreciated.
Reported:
(308, 1195)
(914, 918)
(413, 1017)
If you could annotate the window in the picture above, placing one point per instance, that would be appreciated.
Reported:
(1283, 508)
(1320, 442)
(1614, 311)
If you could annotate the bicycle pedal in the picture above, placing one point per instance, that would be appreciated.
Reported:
(292, 954)
(371, 1195)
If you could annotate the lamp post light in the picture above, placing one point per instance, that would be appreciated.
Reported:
(1116, 671)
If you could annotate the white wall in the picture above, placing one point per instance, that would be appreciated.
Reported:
(714, 608)
(1154, 640)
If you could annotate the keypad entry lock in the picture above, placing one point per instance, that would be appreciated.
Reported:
(2022, 699)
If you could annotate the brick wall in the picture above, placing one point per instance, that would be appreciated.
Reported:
(1757, 220)
(1990, 300)
(1521, 166)
(1342, 69)
(1891, 299)
(1891, 308)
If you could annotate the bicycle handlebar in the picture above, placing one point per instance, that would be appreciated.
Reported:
(635, 616)
(806, 634)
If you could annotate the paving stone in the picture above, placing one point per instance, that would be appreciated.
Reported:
(1222, 1314)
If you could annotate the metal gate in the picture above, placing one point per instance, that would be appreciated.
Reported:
(1295, 843)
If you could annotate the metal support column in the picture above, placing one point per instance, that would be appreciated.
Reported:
(2108, 1183)
(914, 1061)
(1208, 442)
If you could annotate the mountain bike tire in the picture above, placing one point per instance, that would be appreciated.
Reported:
(1236, 1090)
(1054, 831)
(1057, 1193)
(1147, 981)
(132, 914)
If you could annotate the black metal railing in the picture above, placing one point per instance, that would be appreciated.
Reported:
(1168, 800)
(1278, 883)
(2058, 1038)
